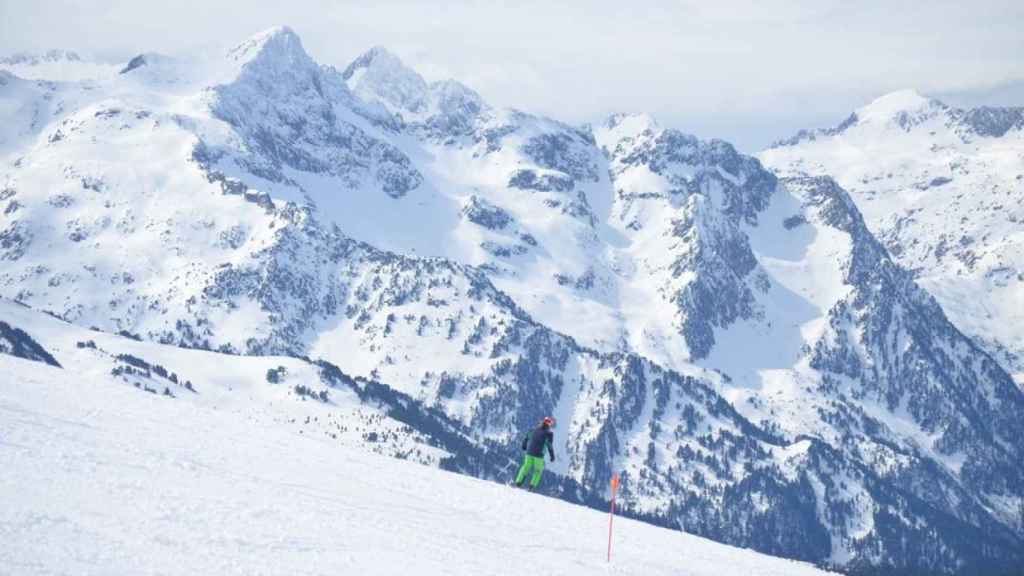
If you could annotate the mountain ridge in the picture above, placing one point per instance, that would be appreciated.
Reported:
(941, 187)
(907, 107)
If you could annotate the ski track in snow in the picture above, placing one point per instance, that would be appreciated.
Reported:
(100, 479)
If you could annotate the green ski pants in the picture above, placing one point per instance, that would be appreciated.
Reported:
(531, 462)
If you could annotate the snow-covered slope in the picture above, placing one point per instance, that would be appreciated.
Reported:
(312, 399)
(943, 188)
(99, 478)
(740, 347)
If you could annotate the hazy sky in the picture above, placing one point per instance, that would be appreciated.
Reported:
(746, 71)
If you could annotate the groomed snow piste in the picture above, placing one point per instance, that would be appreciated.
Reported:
(100, 479)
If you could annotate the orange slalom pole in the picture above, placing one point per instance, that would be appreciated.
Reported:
(611, 516)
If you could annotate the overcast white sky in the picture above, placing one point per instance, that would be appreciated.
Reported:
(747, 71)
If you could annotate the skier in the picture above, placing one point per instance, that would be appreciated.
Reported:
(541, 437)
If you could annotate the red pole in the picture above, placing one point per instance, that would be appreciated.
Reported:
(611, 516)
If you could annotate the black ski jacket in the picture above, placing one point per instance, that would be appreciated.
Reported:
(541, 437)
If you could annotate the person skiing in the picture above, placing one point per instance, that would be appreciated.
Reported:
(534, 444)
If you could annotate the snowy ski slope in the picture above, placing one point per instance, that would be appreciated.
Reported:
(100, 479)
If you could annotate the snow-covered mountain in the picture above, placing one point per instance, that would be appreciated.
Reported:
(56, 65)
(943, 188)
(741, 347)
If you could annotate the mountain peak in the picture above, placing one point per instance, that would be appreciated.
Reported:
(895, 104)
(164, 64)
(378, 56)
(279, 43)
(620, 126)
(637, 121)
(378, 75)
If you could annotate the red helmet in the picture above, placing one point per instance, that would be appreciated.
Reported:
(549, 421)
